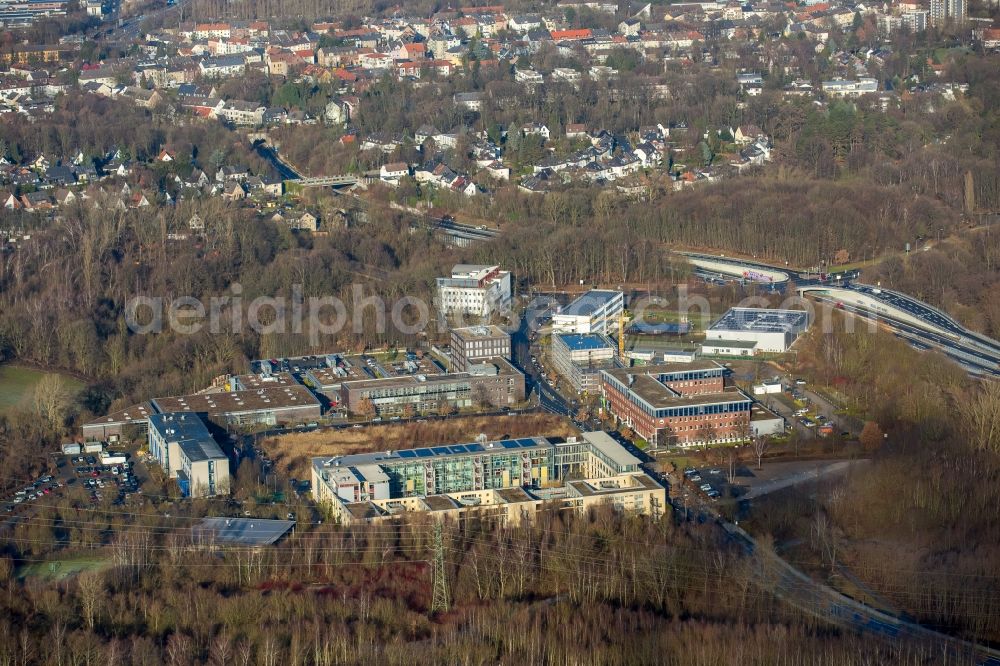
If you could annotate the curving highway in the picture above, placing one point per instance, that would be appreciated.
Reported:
(920, 324)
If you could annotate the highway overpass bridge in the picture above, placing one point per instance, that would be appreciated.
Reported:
(920, 324)
(746, 270)
(325, 181)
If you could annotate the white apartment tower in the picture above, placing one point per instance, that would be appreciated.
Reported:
(948, 11)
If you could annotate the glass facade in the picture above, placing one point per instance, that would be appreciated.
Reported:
(445, 472)
(481, 471)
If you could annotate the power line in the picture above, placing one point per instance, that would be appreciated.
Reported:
(440, 599)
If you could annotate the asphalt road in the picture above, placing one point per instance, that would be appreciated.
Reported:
(823, 602)
(977, 353)
(759, 488)
(973, 358)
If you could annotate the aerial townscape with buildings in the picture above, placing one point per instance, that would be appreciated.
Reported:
(544, 332)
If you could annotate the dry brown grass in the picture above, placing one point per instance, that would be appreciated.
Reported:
(291, 453)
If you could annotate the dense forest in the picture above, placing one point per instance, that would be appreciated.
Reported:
(600, 589)
(917, 523)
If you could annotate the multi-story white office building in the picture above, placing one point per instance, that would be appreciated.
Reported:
(597, 311)
(185, 449)
(475, 290)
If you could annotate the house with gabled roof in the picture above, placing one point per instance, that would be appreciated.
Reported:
(36, 201)
(10, 202)
(233, 191)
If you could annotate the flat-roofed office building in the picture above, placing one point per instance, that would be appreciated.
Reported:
(493, 382)
(579, 358)
(596, 311)
(186, 451)
(508, 479)
(772, 331)
(476, 344)
(677, 404)
(474, 289)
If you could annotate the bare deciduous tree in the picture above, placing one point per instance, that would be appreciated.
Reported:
(52, 398)
(91, 592)
(760, 445)
(982, 418)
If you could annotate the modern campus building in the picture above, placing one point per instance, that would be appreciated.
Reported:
(476, 290)
(476, 344)
(597, 311)
(579, 358)
(492, 382)
(749, 331)
(186, 451)
(677, 404)
(510, 480)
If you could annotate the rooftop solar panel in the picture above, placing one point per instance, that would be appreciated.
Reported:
(407, 454)
(474, 447)
(457, 449)
(524, 443)
(440, 450)
(508, 444)
(424, 453)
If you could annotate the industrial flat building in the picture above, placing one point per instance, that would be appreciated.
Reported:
(240, 531)
(677, 404)
(115, 423)
(269, 405)
(493, 382)
(579, 358)
(771, 331)
(509, 480)
(678, 355)
(474, 289)
(596, 311)
(765, 422)
(186, 451)
(328, 379)
(474, 344)
(729, 348)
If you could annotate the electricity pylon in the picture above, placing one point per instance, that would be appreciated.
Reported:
(439, 602)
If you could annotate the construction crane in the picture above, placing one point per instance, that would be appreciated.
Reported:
(623, 318)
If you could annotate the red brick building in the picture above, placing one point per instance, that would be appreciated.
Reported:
(682, 404)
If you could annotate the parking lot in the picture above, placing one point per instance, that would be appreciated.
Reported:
(376, 365)
(748, 482)
(116, 481)
(40, 487)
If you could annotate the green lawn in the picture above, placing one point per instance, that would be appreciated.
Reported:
(56, 570)
(17, 385)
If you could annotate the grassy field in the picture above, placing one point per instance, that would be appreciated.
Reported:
(17, 384)
(56, 570)
(292, 453)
